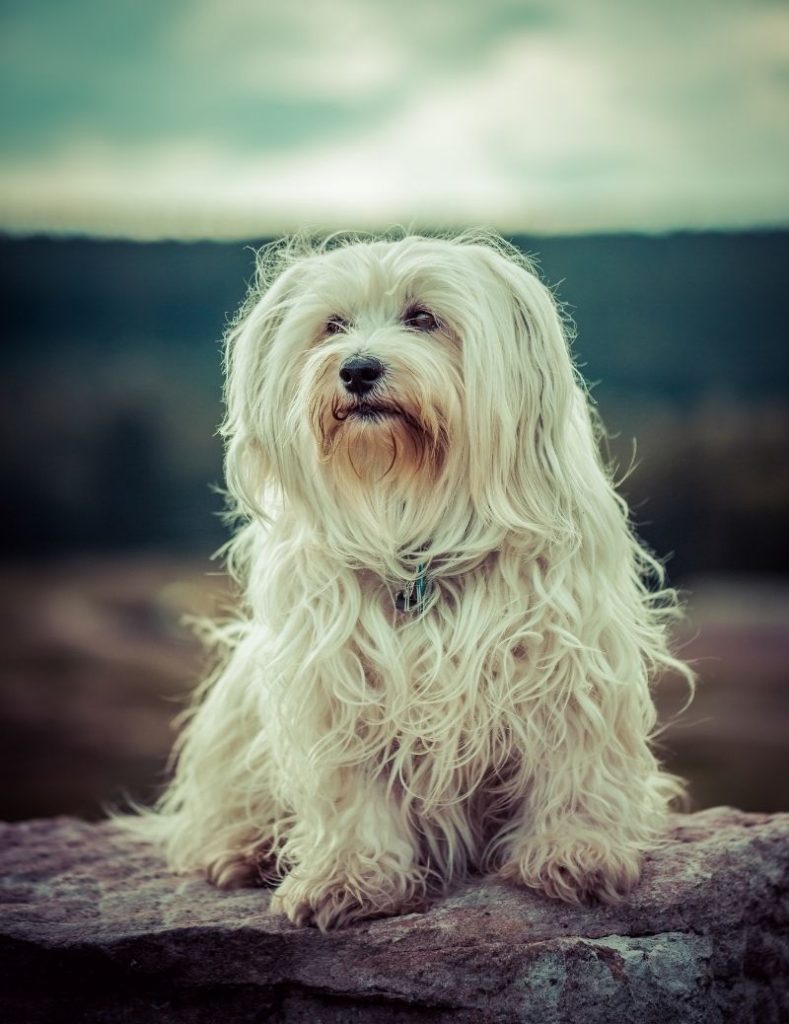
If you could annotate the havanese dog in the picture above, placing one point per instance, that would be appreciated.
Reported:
(443, 658)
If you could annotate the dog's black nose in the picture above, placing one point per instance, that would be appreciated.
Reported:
(359, 373)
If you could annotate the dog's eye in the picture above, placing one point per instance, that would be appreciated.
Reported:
(421, 320)
(336, 324)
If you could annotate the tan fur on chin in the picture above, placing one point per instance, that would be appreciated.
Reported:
(362, 758)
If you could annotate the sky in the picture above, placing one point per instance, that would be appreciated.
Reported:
(194, 118)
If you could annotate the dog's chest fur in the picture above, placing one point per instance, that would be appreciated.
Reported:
(429, 698)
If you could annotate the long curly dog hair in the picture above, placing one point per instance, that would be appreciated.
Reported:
(443, 658)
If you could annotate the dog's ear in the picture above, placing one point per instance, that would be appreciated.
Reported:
(249, 427)
(531, 437)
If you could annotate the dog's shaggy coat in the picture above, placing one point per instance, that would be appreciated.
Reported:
(364, 755)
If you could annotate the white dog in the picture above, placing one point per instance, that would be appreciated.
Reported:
(449, 628)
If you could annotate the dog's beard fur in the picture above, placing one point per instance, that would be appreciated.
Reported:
(370, 756)
(382, 439)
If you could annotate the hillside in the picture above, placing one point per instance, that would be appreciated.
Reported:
(111, 384)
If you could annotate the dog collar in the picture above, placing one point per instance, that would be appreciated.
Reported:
(413, 598)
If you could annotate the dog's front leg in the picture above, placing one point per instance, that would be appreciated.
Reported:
(352, 856)
(593, 809)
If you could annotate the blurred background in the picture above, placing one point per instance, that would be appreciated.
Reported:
(640, 150)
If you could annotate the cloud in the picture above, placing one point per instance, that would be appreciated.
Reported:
(192, 119)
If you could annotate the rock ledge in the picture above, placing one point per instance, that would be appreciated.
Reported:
(94, 929)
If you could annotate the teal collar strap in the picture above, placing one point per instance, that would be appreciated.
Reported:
(413, 598)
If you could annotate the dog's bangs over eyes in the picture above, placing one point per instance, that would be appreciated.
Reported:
(417, 318)
(336, 324)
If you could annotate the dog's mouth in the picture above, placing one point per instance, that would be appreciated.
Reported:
(377, 432)
(366, 411)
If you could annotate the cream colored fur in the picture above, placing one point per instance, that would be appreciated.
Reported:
(365, 757)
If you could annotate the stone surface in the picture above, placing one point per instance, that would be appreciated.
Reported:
(94, 929)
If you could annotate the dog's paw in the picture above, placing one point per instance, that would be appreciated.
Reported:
(575, 870)
(239, 870)
(338, 902)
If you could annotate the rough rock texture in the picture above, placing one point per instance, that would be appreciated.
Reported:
(95, 929)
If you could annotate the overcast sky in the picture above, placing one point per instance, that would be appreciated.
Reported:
(193, 118)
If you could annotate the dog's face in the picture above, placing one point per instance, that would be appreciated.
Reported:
(428, 376)
(381, 381)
